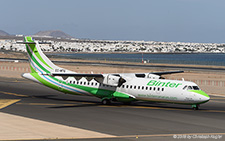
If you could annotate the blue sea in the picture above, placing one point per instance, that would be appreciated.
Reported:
(197, 59)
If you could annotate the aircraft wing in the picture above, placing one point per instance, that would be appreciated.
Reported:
(73, 74)
(76, 74)
(166, 72)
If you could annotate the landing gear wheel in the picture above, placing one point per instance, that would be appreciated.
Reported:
(195, 107)
(106, 102)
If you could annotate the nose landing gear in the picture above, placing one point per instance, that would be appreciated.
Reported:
(195, 107)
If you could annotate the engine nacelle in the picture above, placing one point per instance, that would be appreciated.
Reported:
(113, 80)
(153, 76)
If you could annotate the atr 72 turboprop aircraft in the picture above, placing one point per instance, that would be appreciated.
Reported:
(122, 87)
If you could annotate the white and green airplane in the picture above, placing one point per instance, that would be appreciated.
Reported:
(122, 87)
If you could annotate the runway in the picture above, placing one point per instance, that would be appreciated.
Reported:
(124, 64)
(141, 120)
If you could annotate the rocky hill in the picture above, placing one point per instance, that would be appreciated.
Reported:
(3, 33)
(53, 33)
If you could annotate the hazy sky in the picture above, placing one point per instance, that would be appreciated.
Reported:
(149, 20)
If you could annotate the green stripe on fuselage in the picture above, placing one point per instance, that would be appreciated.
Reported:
(101, 93)
(199, 92)
(96, 91)
(46, 83)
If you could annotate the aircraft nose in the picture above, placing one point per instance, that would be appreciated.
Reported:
(202, 96)
(206, 98)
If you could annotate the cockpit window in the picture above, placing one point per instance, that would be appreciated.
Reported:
(189, 88)
(185, 87)
(196, 88)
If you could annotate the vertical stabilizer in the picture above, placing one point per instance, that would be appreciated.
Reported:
(38, 61)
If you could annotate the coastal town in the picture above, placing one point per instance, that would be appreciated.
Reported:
(116, 46)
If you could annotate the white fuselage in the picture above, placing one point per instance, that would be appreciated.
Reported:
(161, 90)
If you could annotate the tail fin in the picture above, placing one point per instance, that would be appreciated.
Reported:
(38, 61)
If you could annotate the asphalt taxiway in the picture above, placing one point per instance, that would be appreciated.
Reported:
(141, 120)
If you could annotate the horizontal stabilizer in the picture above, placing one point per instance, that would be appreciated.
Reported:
(33, 43)
(25, 42)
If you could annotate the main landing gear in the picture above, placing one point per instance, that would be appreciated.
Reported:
(195, 107)
(106, 101)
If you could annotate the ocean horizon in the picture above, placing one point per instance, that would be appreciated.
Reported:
(216, 59)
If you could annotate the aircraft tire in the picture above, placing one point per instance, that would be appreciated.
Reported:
(106, 102)
(196, 107)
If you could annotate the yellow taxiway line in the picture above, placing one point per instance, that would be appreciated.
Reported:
(6, 102)
(8, 93)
